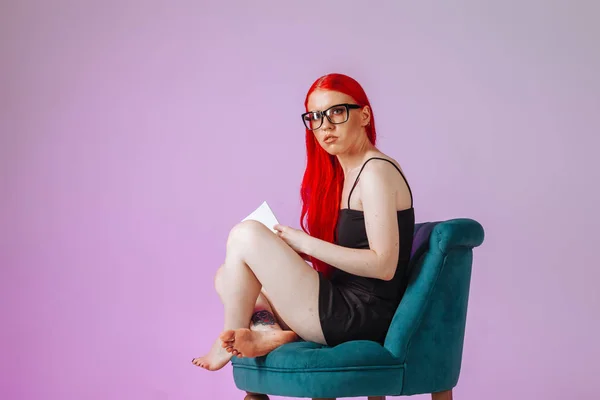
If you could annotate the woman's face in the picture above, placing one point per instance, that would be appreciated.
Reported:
(340, 137)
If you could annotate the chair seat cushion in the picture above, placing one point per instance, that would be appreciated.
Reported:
(306, 369)
(308, 356)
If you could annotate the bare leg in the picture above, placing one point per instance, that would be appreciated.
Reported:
(255, 258)
(263, 336)
(263, 319)
(263, 302)
(217, 357)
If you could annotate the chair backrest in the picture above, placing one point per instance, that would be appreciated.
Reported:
(427, 331)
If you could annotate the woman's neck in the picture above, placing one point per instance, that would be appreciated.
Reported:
(355, 158)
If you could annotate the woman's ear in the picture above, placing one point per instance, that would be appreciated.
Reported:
(365, 114)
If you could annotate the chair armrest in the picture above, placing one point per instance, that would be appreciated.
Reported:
(460, 232)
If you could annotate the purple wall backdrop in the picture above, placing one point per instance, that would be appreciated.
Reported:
(134, 135)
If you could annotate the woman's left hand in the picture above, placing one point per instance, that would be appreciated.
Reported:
(297, 239)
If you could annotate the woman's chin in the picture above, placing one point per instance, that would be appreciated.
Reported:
(332, 149)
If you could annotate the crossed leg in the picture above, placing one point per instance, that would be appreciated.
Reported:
(257, 259)
(264, 319)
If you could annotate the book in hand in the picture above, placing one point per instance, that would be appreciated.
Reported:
(264, 215)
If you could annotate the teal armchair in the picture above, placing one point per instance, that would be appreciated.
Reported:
(422, 352)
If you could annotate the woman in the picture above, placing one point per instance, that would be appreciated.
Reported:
(357, 219)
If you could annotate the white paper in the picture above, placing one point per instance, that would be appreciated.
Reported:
(264, 215)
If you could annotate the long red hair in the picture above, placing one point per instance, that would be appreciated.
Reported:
(323, 179)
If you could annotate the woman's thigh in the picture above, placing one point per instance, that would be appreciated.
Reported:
(276, 314)
(291, 284)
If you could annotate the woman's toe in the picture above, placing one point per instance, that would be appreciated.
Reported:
(227, 336)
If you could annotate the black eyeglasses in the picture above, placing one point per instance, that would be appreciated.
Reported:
(337, 114)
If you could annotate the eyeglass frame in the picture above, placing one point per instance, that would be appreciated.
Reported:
(323, 114)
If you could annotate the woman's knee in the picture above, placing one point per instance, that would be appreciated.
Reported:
(245, 235)
(219, 279)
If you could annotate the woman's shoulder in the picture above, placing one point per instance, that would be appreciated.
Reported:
(381, 174)
(378, 163)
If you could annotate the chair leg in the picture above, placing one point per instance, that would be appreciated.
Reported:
(376, 397)
(446, 395)
(256, 396)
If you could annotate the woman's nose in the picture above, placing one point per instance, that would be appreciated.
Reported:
(326, 124)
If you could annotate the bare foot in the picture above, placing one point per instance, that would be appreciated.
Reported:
(227, 340)
(262, 320)
(216, 358)
(255, 343)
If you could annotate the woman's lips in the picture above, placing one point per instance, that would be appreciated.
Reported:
(329, 139)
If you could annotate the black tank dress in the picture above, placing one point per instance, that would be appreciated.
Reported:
(353, 307)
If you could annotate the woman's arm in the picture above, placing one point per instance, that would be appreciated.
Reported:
(379, 182)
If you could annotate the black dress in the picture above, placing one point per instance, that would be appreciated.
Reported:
(353, 307)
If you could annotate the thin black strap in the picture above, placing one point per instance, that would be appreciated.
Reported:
(395, 166)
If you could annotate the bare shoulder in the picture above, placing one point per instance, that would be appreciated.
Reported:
(378, 168)
(380, 176)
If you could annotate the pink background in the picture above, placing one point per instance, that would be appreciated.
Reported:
(134, 135)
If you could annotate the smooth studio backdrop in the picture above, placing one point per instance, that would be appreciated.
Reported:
(135, 134)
